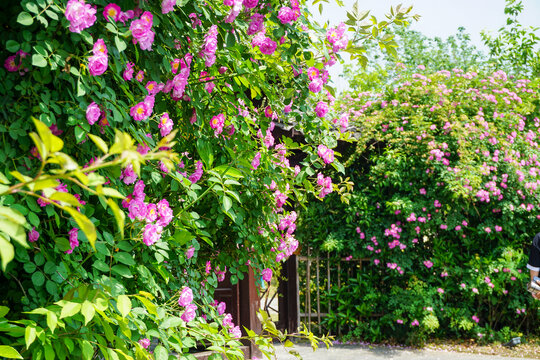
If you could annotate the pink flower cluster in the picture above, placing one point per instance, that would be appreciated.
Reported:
(113, 12)
(337, 37)
(208, 51)
(326, 185)
(12, 65)
(165, 125)
(99, 61)
(156, 216)
(185, 300)
(128, 175)
(256, 161)
(267, 275)
(217, 123)
(73, 240)
(144, 109)
(321, 109)
(289, 14)
(265, 44)
(180, 81)
(33, 235)
(256, 24)
(326, 154)
(197, 174)
(167, 6)
(142, 32)
(80, 15)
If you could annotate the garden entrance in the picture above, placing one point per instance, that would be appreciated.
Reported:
(321, 276)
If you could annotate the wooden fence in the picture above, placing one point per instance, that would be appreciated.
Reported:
(317, 275)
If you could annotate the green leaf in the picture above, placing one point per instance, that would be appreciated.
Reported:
(84, 224)
(65, 198)
(124, 305)
(80, 88)
(124, 258)
(39, 60)
(51, 287)
(52, 320)
(6, 251)
(9, 352)
(29, 267)
(226, 170)
(100, 265)
(25, 19)
(14, 230)
(13, 215)
(3, 311)
(87, 350)
(80, 134)
(100, 143)
(227, 203)
(160, 353)
(49, 352)
(44, 184)
(182, 236)
(107, 191)
(70, 309)
(120, 44)
(88, 311)
(12, 46)
(205, 151)
(52, 142)
(122, 270)
(29, 335)
(171, 322)
(150, 306)
(118, 215)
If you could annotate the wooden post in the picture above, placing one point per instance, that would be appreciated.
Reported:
(328, 280)
(308, 289)
(318, 296)
(288, 296)
(249, 307)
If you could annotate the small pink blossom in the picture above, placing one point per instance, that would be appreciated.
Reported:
(165, 125)
(112, 11)
(145, 343)
(33, 235)
(93, 113)
(267, 274)
(189, 313)
(186, 296)
(190, 252)
(151, 234)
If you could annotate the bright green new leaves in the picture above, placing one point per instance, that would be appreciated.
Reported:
(9, 352)
(12, 225)
(124, 305)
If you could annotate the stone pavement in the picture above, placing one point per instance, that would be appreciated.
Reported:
(380, 353)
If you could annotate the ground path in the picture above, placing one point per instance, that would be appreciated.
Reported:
(380, 353)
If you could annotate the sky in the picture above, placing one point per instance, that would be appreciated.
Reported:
(438, 18)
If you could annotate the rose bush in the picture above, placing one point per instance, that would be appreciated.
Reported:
(446, 175)
(180, 100)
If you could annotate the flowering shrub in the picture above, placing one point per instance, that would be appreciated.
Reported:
(446, 177)
(180, 100)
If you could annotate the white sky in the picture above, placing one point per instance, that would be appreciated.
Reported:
(439, 18)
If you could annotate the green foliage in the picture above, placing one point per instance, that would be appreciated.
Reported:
(415, 50)
(74, 294)
(515, 47)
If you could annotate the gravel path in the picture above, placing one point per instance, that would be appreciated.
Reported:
(379, 353)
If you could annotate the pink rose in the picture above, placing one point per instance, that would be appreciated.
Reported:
(186, 297)
(98, 64)
(93, 113)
